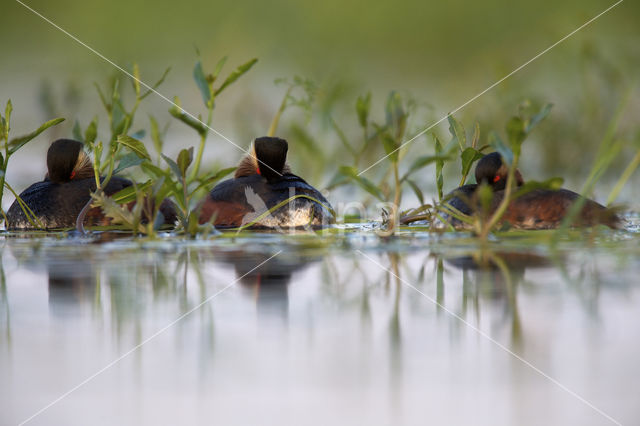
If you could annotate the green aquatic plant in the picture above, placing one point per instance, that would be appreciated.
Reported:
(517, 129)
(186, 188)
(10, 146)
(184, 193)
(171, 181)
(144, 216)
(610, 147)
(120, 120)
(391, 134)
(205, 82)
(308, 90)
(468, 154)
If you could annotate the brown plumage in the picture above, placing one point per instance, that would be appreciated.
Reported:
(58, 199)
(262, 181)
(537, 209)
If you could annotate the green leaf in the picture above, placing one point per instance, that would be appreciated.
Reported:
(485, 195)
(213, 177)
(134, 145)
(536, 119)
(236, 74)
(156, 137)
(364, 183)
(159, 190)
(390, 147)
(219, 67)
(497, 144)
(553, 183)
(92, 132)
(416, 190)
(457, 131)
(17, 143)
(170, 186)
(476, 135)
(173, 166)
(154, 170)
(6, 121)
(424, 161)
(185, 157)
(129, 160)
(76, 132)
(115, 92)
(103, 99)
(179, 113)
(129, 193)
(119, 213)
(516, 133)
(337, 180)
(439, 165)
(7, 114)
(157, 84)
(469, 156)
(140, 134)
(136, 79)
(342, 137)
(363, 105)
(118, 118)
(192, 223)
(202, 83)
(396, 117)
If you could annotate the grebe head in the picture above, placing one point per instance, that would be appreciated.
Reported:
(272, 156)
(267, 158)
(67, 160)
(492, 170)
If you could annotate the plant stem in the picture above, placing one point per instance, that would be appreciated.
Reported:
(502, 208)
(4, 167)
(398, 191)
(396, 203)
(628, 171)
(203, 138)
(276, 118)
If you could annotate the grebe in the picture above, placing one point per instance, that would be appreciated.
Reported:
(58, 199)
(262, 181)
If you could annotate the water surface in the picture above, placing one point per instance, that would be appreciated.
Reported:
(269, 329)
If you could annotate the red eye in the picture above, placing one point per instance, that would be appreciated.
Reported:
(73, 174)
(496, 178)
(258, 170)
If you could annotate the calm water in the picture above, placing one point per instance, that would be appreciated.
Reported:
(300, 330)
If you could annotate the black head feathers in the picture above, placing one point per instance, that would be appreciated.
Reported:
(62, 158)
(493, 171)
(271, 154)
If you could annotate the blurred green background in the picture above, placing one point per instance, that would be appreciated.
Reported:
(438, 53)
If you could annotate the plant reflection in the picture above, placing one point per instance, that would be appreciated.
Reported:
(126, 289)
(5, 319)
(496, 276)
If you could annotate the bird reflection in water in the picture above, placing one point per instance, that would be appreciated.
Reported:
(72, 284)
(269, 282)
(497, 276)
(71, 277)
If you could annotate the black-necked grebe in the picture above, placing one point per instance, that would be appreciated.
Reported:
(58, 199)
(262, 181)
(537, 209)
